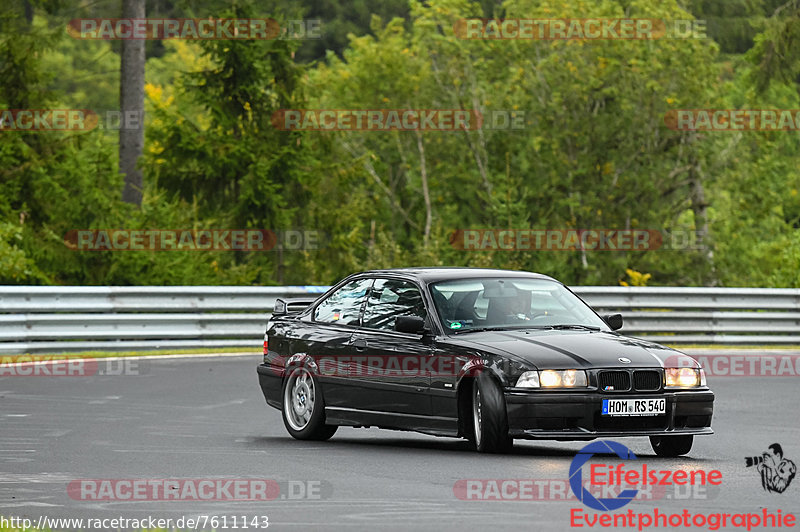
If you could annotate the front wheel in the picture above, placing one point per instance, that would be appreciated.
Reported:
(304, 408)
(489, 419)
(671, 446)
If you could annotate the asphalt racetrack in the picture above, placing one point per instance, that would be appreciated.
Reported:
(204, 418)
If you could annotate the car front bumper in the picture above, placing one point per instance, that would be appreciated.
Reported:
(576, 415)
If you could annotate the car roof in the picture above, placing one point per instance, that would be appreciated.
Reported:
(433, 274)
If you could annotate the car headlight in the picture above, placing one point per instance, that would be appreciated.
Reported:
(549, 378)
(529, 379)
(684, 377)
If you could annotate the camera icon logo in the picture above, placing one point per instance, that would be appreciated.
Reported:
(776, 471)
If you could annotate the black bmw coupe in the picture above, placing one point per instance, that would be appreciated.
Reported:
(487, 355)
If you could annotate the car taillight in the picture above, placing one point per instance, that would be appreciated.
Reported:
(266, 349)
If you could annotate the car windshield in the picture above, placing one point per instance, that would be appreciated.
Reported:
(502, 303)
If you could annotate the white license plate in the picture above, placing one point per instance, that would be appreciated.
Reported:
(634, 407)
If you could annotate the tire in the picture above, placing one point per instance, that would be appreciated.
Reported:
(304, 408)
(671, 446)
(489, 426)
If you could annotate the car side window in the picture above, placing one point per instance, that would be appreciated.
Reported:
(344, 305)
(390, 298)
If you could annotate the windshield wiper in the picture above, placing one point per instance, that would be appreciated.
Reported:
(481, 329)
(575, 326)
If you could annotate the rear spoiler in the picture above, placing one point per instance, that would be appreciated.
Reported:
(291, 305)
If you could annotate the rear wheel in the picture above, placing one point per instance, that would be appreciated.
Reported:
(489, 419)
(304, 408)
(671, 446)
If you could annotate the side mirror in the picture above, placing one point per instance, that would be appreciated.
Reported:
(409, 324)
(614, 321)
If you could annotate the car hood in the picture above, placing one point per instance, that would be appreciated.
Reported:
(579, 349)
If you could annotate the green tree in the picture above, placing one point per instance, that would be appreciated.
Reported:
(231, 164)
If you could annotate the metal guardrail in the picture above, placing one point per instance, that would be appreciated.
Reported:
(761, 316)
(36, 319)
(146, 298)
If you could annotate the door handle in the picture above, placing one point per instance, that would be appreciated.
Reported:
(360, 344)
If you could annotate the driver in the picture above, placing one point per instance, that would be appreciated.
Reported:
(506, 310)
